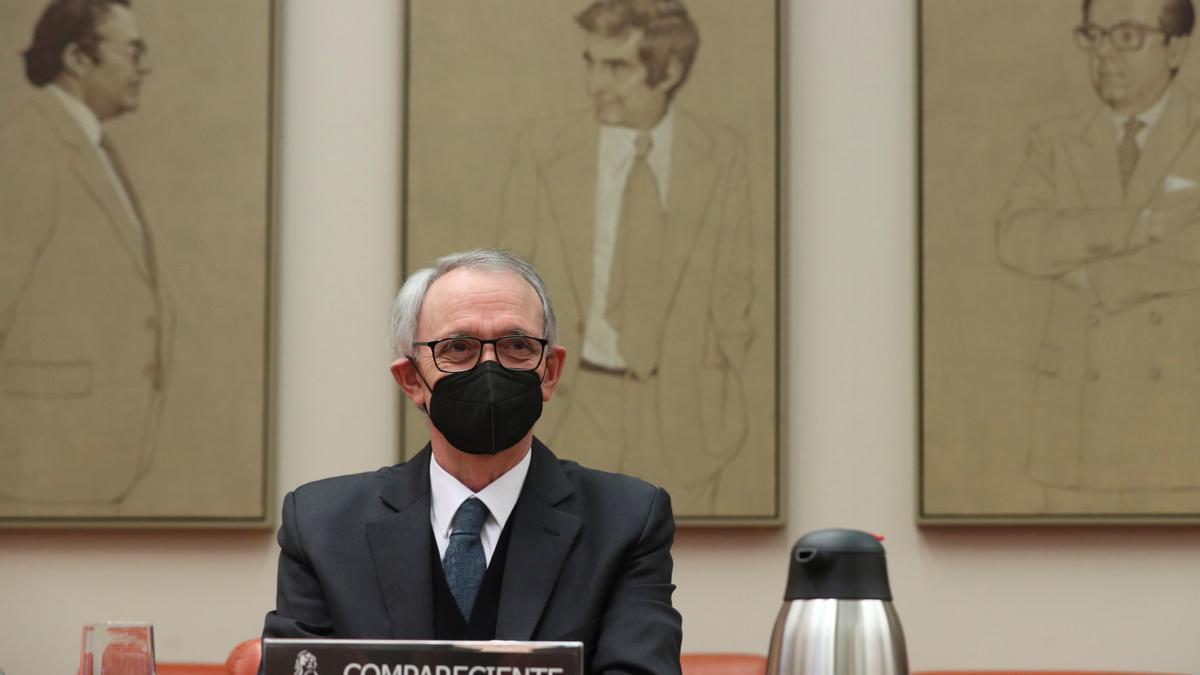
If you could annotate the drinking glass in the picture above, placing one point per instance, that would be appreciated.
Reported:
(117, 648)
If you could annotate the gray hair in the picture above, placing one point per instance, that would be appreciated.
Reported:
(407, 306)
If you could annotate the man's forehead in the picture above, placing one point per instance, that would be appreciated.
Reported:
(465, 295)
(1111, 12)
(601, 47)
(479, 278)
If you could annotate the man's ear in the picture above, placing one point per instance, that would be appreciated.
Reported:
(672, 77)
(1177, 46)
(555, 358)
(404, 371)
(75, 61)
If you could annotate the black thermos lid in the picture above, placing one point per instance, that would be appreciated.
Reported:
(838, 564)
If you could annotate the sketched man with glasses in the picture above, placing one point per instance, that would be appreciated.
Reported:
(84, 322)
(1104, 210)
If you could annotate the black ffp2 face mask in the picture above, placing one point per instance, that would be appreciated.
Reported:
(486, 409)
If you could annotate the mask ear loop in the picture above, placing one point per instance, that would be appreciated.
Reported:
(546, 361)
(413, 361)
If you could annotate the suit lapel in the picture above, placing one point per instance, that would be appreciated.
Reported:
(1162, 147)
(693, 181)
(540, 539)
(400, 546)
(92, 173)
(89, 169)
(571, 183)
(1093, 158)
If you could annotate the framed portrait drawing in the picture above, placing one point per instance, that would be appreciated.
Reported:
(630, 151)
(1060, 262)
(136, 246)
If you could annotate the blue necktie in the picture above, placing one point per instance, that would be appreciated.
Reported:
(464, 562)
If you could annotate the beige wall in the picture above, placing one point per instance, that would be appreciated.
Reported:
(1064, 597)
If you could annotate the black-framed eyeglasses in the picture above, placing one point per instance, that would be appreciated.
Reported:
(134, 50)
(514, 352)
(1124, 37)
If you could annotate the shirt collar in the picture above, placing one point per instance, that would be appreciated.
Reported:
(619, 141)
(82, 114)
(500, 496)
(1149, 117)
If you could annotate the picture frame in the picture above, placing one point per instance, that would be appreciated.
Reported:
(137, 379)
(480, 105)
(1058, 369)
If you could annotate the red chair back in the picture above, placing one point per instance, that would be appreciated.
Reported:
(722, 664)
(190, 669)
(244, 658)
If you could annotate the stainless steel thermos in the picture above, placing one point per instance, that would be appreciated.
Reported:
(837, 616)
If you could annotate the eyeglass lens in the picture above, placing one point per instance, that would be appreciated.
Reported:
(515, 352)
(1124, 37)
(135, 50)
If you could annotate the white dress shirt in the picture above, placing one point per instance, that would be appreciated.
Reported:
(500, 496)
(614, 161)
(92, 131)
(1149, 118)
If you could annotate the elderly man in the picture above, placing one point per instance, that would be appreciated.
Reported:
(1104, 209)
(83, 321)
(484, 533)
(638, 211)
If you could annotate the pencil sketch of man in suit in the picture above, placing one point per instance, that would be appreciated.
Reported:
(83, 321)
(1104, 209)
(637, 212)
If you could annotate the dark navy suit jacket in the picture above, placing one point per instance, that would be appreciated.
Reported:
(589, 559)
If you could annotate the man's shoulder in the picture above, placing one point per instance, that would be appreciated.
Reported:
(616, 510)
(345, 482)
(1189, 99)
(604, 481)
(688, 121)
(553, 136)
(345, 494)
(612, 498)
(707, 136)
(1070, 123)
(31, 147)
(30, 122)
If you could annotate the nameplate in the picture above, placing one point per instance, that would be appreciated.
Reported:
(420, 657)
